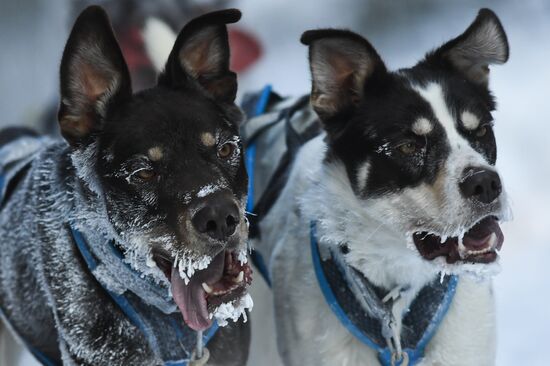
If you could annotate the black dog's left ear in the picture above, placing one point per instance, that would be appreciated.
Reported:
(484, 43)
(93, 76)
(201, 55)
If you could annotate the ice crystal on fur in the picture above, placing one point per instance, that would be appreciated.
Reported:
(233, 310)
(189, 264)
(242, 257)
(83, 160)
(207, 190)
(384, 149)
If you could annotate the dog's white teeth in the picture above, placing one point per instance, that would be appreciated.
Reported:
(492, 240)
(239, 278)
(207, 288)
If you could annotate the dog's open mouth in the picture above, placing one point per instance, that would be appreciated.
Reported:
(480, 244)
(223, 281)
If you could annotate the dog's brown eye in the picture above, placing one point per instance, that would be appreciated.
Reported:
(146, 174)
(408, 148)
(481, 131)
(226, 150)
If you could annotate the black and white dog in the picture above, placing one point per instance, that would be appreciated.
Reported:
(139, 213)
(384, 214)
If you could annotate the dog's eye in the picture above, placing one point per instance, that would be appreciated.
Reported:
(146, 174)
(408, 148)
(226, 150)
(481, 131)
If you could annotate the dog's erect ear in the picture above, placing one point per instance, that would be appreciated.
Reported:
(93, 75)
(201, 55)
(484, 43)
(341, 63)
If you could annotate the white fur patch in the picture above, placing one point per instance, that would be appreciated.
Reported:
(422, 126)
(469, 120)
(362, 175)
(433, 94)
(155, 153)
(208, 189)
(208, 139)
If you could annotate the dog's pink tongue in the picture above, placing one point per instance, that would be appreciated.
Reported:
(191, 301)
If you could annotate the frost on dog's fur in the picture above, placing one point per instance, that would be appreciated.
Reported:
(233, 310)
(138, 248)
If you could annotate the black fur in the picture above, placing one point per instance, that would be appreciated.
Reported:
(384, 106)
(51, 298)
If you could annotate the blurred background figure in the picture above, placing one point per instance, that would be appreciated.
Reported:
(266, 50)
(35, 33)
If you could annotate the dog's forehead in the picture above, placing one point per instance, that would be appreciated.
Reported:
(160, 125)
(451, 110)
(435, 113)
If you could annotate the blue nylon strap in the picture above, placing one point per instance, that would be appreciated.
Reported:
(2, 179)
(250, 161)
(125, 305)
(384, 353)
(329, 295)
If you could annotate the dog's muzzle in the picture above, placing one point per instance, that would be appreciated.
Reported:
(478, 243)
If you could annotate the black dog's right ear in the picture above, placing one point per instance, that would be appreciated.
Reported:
(93, 76)
(341, 64)
(201, 55)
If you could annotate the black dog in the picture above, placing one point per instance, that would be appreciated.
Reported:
(141, 213)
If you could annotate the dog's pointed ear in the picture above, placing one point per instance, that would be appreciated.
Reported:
(93, 76)
(201, 56)
(341, 64)
(484, 43)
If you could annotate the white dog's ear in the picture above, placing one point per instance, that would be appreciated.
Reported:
(341, 64)
(200, 56)
(484, 43)
(93, 76)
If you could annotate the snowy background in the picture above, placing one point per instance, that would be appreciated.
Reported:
(33, 32)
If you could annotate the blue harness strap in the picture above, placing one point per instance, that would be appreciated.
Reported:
(130, 311)
(250, 159)
(349, 321)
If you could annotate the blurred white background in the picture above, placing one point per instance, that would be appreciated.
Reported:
(33, 32)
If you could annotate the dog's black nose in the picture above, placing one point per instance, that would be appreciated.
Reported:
(480, 184)
(218, 219)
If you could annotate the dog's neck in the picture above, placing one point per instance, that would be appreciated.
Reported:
(376, 249)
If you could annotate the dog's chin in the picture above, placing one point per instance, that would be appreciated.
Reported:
(224, 280)
(480, 243)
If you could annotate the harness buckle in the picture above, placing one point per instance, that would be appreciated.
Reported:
(403, 359)
(200, 361)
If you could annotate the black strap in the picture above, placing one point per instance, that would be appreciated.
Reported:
(294, 141)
